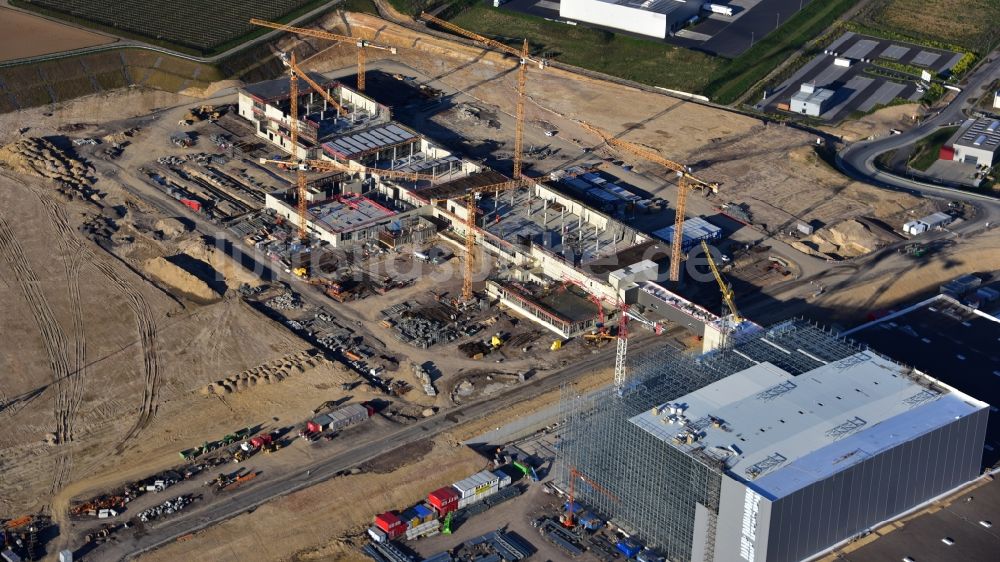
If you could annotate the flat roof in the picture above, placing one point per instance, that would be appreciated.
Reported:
(780, 433)
(949, 341)
(277, 89)
(982, 133)
(695, 230)
(656, 6)
(345, 213)
(652, 250)
(359, 143)
(819, 95)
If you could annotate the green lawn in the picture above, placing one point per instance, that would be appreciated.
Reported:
(644, 61)
(928, 148)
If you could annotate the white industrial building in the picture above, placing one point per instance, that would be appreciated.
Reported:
(930, 222)
(977, 142)
(652, 18)
(810, 100)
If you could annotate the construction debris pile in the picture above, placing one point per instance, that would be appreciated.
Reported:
(40, 157)
(268, 373)
(424, 378)
(428, 325)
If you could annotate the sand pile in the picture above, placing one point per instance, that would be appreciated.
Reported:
(847, 239)
(211, 89)
(39, 157)
(177, 278)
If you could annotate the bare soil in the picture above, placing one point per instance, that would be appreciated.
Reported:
(25, 35)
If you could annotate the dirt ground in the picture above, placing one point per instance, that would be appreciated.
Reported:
(325, 522)
(879, 123)
(20, 33)
(772, 168)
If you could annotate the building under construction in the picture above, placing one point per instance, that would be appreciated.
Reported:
(776, 447)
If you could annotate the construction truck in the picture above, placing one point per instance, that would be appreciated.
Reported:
(496, 341)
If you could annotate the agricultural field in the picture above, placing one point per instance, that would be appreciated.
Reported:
(17, 30)
(64, 79)
(193, 26)
(970, 24)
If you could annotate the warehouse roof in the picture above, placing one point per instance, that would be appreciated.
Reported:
(982, 133)
(781, 432)
(657, 6)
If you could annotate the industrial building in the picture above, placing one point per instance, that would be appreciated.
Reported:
(955, 341)
(976, 142)
(652, 18)
(810, 100)
(930, 222)
(775, 447)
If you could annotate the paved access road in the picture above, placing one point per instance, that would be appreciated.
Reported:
(858, 159)
(255, 494)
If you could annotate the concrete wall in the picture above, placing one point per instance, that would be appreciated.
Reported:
(618, 17)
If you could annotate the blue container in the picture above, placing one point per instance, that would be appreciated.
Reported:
(628, 547)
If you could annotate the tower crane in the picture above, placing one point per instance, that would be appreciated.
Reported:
(574, 475)
(727, 290)
(523, 56)
(685, 181)
(360, 42)
(469, 199)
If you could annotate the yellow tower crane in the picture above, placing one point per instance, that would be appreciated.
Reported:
(360, 42)
(727, 290)
(685, 181)
(524, 58)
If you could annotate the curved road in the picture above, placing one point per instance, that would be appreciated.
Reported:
(858, 159)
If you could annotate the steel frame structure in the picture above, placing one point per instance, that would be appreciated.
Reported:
(657, 487)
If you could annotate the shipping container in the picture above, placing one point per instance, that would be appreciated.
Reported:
(628, 547)
(503, 479)
(444, 500)
(424, 512)
(478, 497)
(378, 535)
(391, 524)
(410, 517)
(261, 440)
(476, 483)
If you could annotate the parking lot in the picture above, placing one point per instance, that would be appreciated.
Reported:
(866, 83)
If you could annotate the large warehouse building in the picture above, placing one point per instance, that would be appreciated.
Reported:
(774, 449)
(653, 18)
(977, 142)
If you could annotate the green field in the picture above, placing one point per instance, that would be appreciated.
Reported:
(199, 27)
(972, 25)
(644, 61)
(928, 148)
(647, 61)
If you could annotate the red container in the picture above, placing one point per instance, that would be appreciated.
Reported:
(444, 500)
(371, 409)
(946, 153)
(391, 524)
(313, 427)
(192, 204)
(261, 440)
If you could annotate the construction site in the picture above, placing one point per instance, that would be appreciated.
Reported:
(351, 280)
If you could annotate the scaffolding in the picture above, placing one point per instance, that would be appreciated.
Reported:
(655, 489)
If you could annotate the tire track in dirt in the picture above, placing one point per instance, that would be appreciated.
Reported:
(53, 339)
(145, 322)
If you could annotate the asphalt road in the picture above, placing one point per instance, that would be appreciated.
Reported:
(858, 159)
(246, 499)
